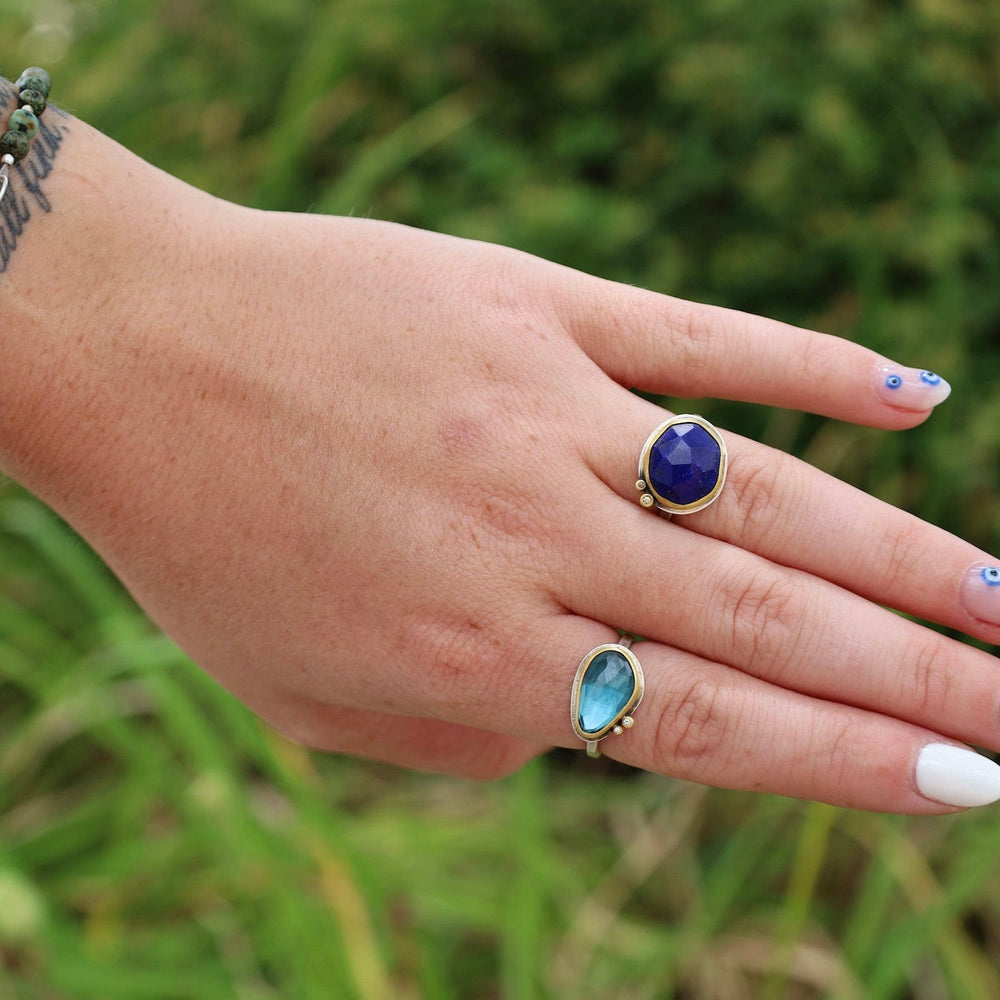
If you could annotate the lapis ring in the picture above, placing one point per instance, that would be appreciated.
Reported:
(682, 466)
(606, 691)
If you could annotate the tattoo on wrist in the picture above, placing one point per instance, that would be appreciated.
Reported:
(27, 197)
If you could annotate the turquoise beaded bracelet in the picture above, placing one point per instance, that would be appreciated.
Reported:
(32, 96)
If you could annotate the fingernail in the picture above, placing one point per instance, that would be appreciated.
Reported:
(980, 592)
(957, 776)
(910, 388)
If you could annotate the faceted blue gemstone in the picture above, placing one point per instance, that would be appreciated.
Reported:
(684, 464)
(606, 688)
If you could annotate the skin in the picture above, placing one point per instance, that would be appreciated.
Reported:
(381, 484)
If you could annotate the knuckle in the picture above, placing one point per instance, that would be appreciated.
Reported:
(929, 679)
(896, 555)
(491, 504)
(836, 761)
(511, 514)
(766, 618)
(468, 661)
(691, 729)
(513, 288)
(755, 491)
(502, 521)
(624, 312)
(693, 331)
(833, 758)
(450, 652)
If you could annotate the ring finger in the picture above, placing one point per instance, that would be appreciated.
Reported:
(708, 723)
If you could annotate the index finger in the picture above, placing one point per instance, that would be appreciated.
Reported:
(669, 346)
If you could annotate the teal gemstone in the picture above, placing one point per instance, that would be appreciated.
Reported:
(23, 121)
(607, 687)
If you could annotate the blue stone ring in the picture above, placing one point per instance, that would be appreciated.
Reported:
(682, 466)
(607, 689)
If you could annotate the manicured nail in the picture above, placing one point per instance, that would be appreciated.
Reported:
(980, 592)
(910, 388)
(957, 776)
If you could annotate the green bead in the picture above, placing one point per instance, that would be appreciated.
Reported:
(35, 78)
(23, 121)
(35, 98)
(15, 143)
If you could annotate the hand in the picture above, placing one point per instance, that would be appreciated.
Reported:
(381, 483)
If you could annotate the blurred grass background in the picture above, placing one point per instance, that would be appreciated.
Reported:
(835, 164)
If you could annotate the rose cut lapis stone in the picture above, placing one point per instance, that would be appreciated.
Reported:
(606, 689)
(684, 464)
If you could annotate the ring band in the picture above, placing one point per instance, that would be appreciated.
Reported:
(682, 465)
(607, 689)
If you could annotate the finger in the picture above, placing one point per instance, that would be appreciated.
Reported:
(788, 512)
(665, 345)
(783, 509)
(708, 723)
(698, 720)
(418, 743)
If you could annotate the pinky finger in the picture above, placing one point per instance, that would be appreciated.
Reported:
(421, 744)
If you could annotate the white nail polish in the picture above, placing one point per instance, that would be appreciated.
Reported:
(957, 776)
(909, 388)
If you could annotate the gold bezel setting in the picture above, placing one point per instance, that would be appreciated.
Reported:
(651, 497)
(622, 719)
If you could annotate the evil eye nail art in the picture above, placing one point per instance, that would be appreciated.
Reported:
(910, 388)
(980, 593)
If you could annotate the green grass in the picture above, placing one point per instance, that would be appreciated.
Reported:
(834, 164)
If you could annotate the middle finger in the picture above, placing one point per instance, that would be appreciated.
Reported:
(783, 509)
(790, 513)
